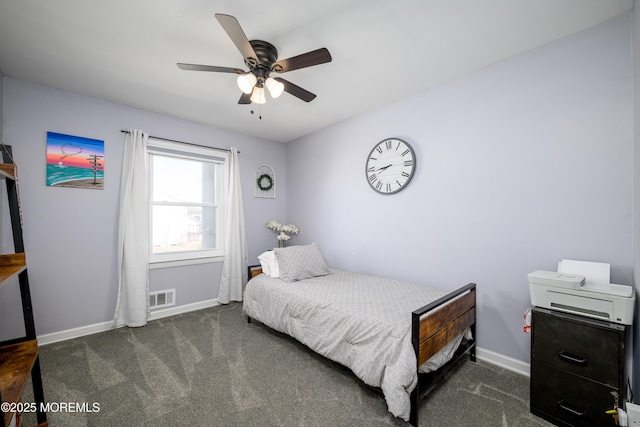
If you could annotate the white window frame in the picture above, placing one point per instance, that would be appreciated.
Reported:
(198, 153)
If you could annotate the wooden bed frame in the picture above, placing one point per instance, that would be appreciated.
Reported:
(432, 327)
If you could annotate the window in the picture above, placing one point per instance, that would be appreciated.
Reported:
(187, 195)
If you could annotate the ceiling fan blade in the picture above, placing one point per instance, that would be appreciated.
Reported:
(196, 67)
(296, 91)
(309, 59)
(233, 29)
(245, 98)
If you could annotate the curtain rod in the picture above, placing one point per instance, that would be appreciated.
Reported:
(182, 142)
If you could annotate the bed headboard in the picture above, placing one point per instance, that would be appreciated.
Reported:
(253, 271)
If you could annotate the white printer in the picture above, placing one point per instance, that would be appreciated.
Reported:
(588, 294)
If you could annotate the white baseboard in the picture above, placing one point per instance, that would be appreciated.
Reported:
(105, 326)
(503, 361)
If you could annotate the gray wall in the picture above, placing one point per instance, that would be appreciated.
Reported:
(636, 191)
(520, 165)
(1, 103)
(71, 234)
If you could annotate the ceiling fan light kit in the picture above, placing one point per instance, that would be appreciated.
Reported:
(262, 59)
(246, 82)
(258, 95)
(275, 87)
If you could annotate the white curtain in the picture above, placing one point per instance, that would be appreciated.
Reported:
(132, 306)
(234, 268)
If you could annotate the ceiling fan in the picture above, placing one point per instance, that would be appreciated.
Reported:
(262, 59)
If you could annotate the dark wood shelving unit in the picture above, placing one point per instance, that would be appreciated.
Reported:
(19, 356)
(10, 265)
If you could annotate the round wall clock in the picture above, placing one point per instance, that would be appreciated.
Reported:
(390, 165)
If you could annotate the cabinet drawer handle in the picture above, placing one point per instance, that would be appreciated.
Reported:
(571, 410)
(573, 359)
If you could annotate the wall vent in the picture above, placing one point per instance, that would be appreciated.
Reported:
(159, 299)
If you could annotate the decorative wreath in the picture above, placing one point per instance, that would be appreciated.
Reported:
(269, 185)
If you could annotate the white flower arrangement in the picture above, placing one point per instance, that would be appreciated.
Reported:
(282, 230)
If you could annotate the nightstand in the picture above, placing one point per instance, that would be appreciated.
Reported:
(577, 368)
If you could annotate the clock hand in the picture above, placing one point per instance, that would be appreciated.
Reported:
(385, 167)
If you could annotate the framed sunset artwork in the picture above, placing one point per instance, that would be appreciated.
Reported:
(73, 161)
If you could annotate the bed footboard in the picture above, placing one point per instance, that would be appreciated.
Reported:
(433, 327)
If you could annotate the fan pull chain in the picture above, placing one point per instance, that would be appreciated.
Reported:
(259, 111)
(15, 179)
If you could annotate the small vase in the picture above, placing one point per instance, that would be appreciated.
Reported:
(281, 243)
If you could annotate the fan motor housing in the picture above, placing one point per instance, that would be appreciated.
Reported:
(266, 52)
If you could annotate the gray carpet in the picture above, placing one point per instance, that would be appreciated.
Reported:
(211, 368)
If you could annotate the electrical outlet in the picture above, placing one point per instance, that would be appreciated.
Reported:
(633, 414)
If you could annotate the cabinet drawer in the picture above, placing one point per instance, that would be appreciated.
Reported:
(575, 401)
(578, 347)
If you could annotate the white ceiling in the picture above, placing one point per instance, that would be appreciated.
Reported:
(126, 51)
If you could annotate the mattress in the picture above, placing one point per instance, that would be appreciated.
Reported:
(360, 321)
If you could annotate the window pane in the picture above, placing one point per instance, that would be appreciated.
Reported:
(182, 180)
(183, 228)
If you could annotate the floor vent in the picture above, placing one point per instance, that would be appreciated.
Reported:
(161, 299)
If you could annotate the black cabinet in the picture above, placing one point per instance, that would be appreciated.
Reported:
(577, 368)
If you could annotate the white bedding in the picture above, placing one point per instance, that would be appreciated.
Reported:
(362, 322)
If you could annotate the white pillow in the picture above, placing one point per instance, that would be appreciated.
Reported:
(269, 264)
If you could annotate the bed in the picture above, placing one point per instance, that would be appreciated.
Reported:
(397, 336)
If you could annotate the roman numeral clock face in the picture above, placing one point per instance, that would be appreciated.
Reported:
(390, 166)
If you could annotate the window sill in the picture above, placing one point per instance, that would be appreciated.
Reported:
(183, 262)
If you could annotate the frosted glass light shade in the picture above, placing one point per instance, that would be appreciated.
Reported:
(246, 82)
(258, 95)
(275, 87)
